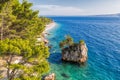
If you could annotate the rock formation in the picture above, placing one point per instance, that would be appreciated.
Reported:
(50, 77)
(75, 53)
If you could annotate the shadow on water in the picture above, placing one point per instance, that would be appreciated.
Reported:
(65, 75)
(55, 58)
(75, 64)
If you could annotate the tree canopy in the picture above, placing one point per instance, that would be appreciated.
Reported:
(19, 27)
(67, 42)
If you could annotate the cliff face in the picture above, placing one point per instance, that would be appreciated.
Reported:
(76, 53)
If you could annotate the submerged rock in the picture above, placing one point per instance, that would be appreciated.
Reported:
(65, 75)
(50, 77)
(75, 53)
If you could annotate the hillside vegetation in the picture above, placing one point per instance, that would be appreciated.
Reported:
(19, 27)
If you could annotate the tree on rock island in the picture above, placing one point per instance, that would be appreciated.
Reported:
(75, 52)
(67, 42)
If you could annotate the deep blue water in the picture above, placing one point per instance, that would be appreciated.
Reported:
(102, 36)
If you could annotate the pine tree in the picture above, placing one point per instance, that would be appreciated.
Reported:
(19, 26)
(32, 62)
(67, 42)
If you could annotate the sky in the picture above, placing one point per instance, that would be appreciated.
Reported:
(76, 7)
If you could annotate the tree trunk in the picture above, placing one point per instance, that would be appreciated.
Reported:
(2, 28)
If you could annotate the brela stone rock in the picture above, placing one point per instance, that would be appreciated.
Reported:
(75, 53)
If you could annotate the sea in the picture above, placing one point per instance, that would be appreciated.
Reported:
(102, 37)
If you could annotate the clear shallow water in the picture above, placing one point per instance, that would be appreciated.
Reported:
(102, 36)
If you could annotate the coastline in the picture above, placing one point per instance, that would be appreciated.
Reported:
(46, 41)
(45, 32)
(49, 26)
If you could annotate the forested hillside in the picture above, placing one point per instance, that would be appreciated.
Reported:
(19, 27)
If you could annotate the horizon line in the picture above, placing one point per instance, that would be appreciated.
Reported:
(116, 14)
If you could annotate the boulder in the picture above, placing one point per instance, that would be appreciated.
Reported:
(50, 77)
(75, 53)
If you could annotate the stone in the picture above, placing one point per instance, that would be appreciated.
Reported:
(50, 77)
(75, 53)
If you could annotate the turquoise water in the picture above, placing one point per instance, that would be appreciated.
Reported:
(102, 36)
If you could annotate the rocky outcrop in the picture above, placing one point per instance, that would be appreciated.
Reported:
(75, 53)
(50, 77)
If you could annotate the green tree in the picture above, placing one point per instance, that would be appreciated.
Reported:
(62, 44)
(67, 42)
(19, 20)
(6, 18)
(32, 64)
(19, 26)
(81, 42)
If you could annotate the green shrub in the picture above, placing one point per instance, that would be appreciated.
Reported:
(82, 42)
